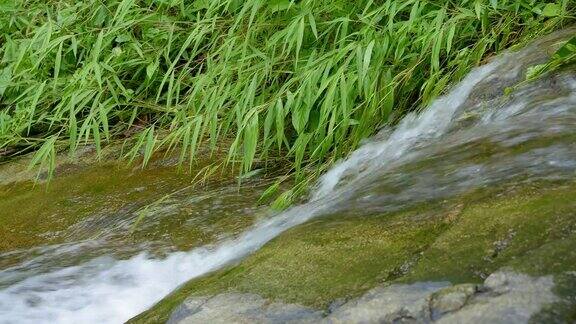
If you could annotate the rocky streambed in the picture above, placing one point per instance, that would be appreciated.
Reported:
(463, 213)
(505, 257)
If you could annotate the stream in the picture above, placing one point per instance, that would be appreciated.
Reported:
(471, 138)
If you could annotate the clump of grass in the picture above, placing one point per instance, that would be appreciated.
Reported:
(304, 80)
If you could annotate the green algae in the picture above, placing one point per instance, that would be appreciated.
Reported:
(531, 229)
(89, 200)
(318, 262)
(29, 212)
(503, 231)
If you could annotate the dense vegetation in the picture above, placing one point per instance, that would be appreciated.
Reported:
(303, 81)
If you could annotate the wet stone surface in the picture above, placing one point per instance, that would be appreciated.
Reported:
(241, 308)
(504, 297)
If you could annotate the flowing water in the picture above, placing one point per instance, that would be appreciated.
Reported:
(474, 137)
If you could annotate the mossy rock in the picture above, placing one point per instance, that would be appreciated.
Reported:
(88, 198)
(532, 229)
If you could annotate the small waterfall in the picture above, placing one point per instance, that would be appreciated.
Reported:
(107, 290)
(432, 123)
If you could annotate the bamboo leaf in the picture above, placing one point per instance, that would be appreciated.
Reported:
(149, 147)
(57, 64)
(450, 38)
(551, 10)
(313, 25)
(367, 58)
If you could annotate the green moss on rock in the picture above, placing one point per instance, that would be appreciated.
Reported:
(531, 230)
(86, 200)
(506, 230)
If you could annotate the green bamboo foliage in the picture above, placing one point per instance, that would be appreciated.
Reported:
(306, 80)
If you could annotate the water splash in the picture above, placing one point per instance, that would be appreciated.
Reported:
(433, 122)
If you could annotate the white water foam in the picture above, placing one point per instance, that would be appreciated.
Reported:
(433, 122)
(106, 290)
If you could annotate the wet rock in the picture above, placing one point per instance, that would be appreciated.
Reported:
(505, 297)
(241, 308)
(189, 307)
(564, 310)
(536, 53)
(451, 299)
(392, 304)
(334, 305)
